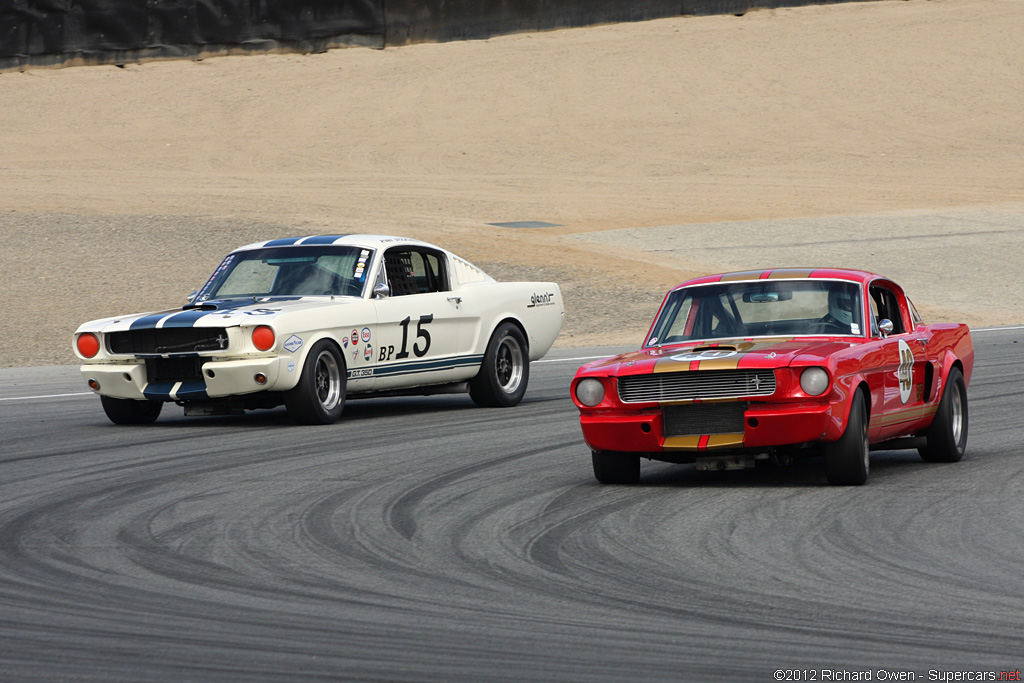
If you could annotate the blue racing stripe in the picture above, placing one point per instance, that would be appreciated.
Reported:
(322, 239)
(284, 242)
(159, 391)
(188, 318)
(426, 366)
(188, 391)
(192, 391)
(148, 322)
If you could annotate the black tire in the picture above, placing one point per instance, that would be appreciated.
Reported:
(946, 438)
(847, 460)
(505, 372)
(613, 467)
(126, 411)
(319, 397)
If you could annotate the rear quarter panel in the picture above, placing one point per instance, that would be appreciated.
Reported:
(537, 307)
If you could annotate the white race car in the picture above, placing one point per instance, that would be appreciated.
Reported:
(309, 321)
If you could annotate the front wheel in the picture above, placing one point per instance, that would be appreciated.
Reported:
(946, 438)
(847, 460)
(319, 397)
(505, 371)
(613, 467)
(126, 411)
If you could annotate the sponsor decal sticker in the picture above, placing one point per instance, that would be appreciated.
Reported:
(366, 334)
(708, 354)
(293, 343)
(355, 337)
(905, 371)
(344, 342)
(291, 366)
(543, 299)
(368, 353)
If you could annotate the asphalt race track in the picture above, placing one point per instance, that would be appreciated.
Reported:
(430, 540)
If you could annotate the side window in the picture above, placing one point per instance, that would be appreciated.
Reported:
(917, 319)
(415, 271)
(888, 307)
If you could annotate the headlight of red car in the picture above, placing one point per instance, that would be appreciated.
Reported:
(590, 391)
(814, 381)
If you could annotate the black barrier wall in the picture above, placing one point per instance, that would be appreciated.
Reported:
(48, 32)
(415, 21)
(41, 32)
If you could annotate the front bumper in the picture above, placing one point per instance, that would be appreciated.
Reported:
(220, 378)
(764, 426)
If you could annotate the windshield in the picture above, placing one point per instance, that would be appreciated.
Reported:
(289, 271)
(761, 308)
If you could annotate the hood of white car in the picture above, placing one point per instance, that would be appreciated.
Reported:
(220, 313)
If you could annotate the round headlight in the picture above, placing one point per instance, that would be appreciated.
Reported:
(814, 381)
(263, 338)
(88, 344)
(590, 392)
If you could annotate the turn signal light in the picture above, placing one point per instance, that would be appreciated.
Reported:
(263, 338)
(88, 344)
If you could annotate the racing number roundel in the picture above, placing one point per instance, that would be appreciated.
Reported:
(905, 373)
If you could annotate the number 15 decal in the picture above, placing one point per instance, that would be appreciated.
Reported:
(420, 332)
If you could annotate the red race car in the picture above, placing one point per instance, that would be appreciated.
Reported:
(777, 364)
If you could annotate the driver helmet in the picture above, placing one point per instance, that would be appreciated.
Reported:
(840, 305)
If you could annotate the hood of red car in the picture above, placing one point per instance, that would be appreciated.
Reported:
(720, 355)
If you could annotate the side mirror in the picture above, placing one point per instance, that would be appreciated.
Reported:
(192, 297)
(886, 327)
(381, 291)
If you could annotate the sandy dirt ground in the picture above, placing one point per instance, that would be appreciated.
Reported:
(885, 134)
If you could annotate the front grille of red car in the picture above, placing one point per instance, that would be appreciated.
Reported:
(703, 418)
(697, 384)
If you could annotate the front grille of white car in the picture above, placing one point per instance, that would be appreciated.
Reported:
(168, 340)
(696, 384)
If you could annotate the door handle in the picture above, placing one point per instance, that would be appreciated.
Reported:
(455, 299)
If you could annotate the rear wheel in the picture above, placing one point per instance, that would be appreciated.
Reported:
(319, 397)
(847, 460)
(946, 438)
(613, 467)
(505, 371)
(126, 411)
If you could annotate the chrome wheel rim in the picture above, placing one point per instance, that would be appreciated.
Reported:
(327, 380)
(956, 414)
(508, 364)
(865, 445)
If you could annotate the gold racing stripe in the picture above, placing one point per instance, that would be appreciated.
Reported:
(692, 442)
(905, 415)
(681, 443)
(728, 363)
(724, 441)
(744, 275)
(785, 273)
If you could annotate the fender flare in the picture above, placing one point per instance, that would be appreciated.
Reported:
(843, 394)
(288, 380)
